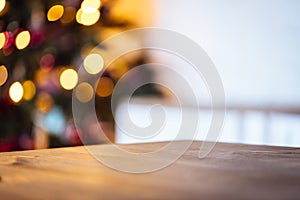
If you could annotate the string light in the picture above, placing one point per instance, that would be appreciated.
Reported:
(29, 90)
(84, 92)
(3, 75)
(16, 92)
(22, 40)
(55, 13)
(68, 79)
(93, 63)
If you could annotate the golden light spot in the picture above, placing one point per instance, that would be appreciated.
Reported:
(16, 92)
(78, 16)
(29, 90)
(90, 6)
(84, 92)
(68, 79)
(41, 77)
(105, 87)
(2, 40)
(93, 63)
(3, 75)
(22, 40)
(69, 15)
(55, 12)
(2, 4)
(89, 19)
(44, 102)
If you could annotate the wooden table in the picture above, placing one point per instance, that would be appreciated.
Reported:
(231, 171)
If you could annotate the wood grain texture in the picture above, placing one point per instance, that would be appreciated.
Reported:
(231, 171)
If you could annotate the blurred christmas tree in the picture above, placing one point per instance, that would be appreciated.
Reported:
(43, 43)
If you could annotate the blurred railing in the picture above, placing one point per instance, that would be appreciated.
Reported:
(262, 125)
(267, 125)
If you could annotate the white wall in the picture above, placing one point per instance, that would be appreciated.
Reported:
(255, 44)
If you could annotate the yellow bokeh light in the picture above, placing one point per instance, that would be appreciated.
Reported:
(90, 6)
(89, 19)
(68, 79)
(3, 75)
(55, 12)
(22, 40)
(84, 92)
(69, 15)
(2, 4)
(2, 40)
(93, 63)
(16, 92)
(105, 87)
(44, 102)
(78, 16)
(41, 77)
(29, 90)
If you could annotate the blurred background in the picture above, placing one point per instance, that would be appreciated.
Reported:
(254, 45)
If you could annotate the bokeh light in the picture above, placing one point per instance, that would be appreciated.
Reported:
(22, 40)
(3, 75)
(2, 40)
(55, 12)
(29, 90)
(47, 62)
(68, 79)
(41, 78)
(9, 40)
(90, 6)
(84, 92)
(93, 63)
(44, 102)
(16, 92)
(89, 19)
(105, 87)
(78, 16)
(2, 4)
(54, 121)
(69, 15)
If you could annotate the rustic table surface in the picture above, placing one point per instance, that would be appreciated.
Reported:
(231, 171)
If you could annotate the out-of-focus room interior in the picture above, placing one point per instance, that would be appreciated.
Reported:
(253, 44)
